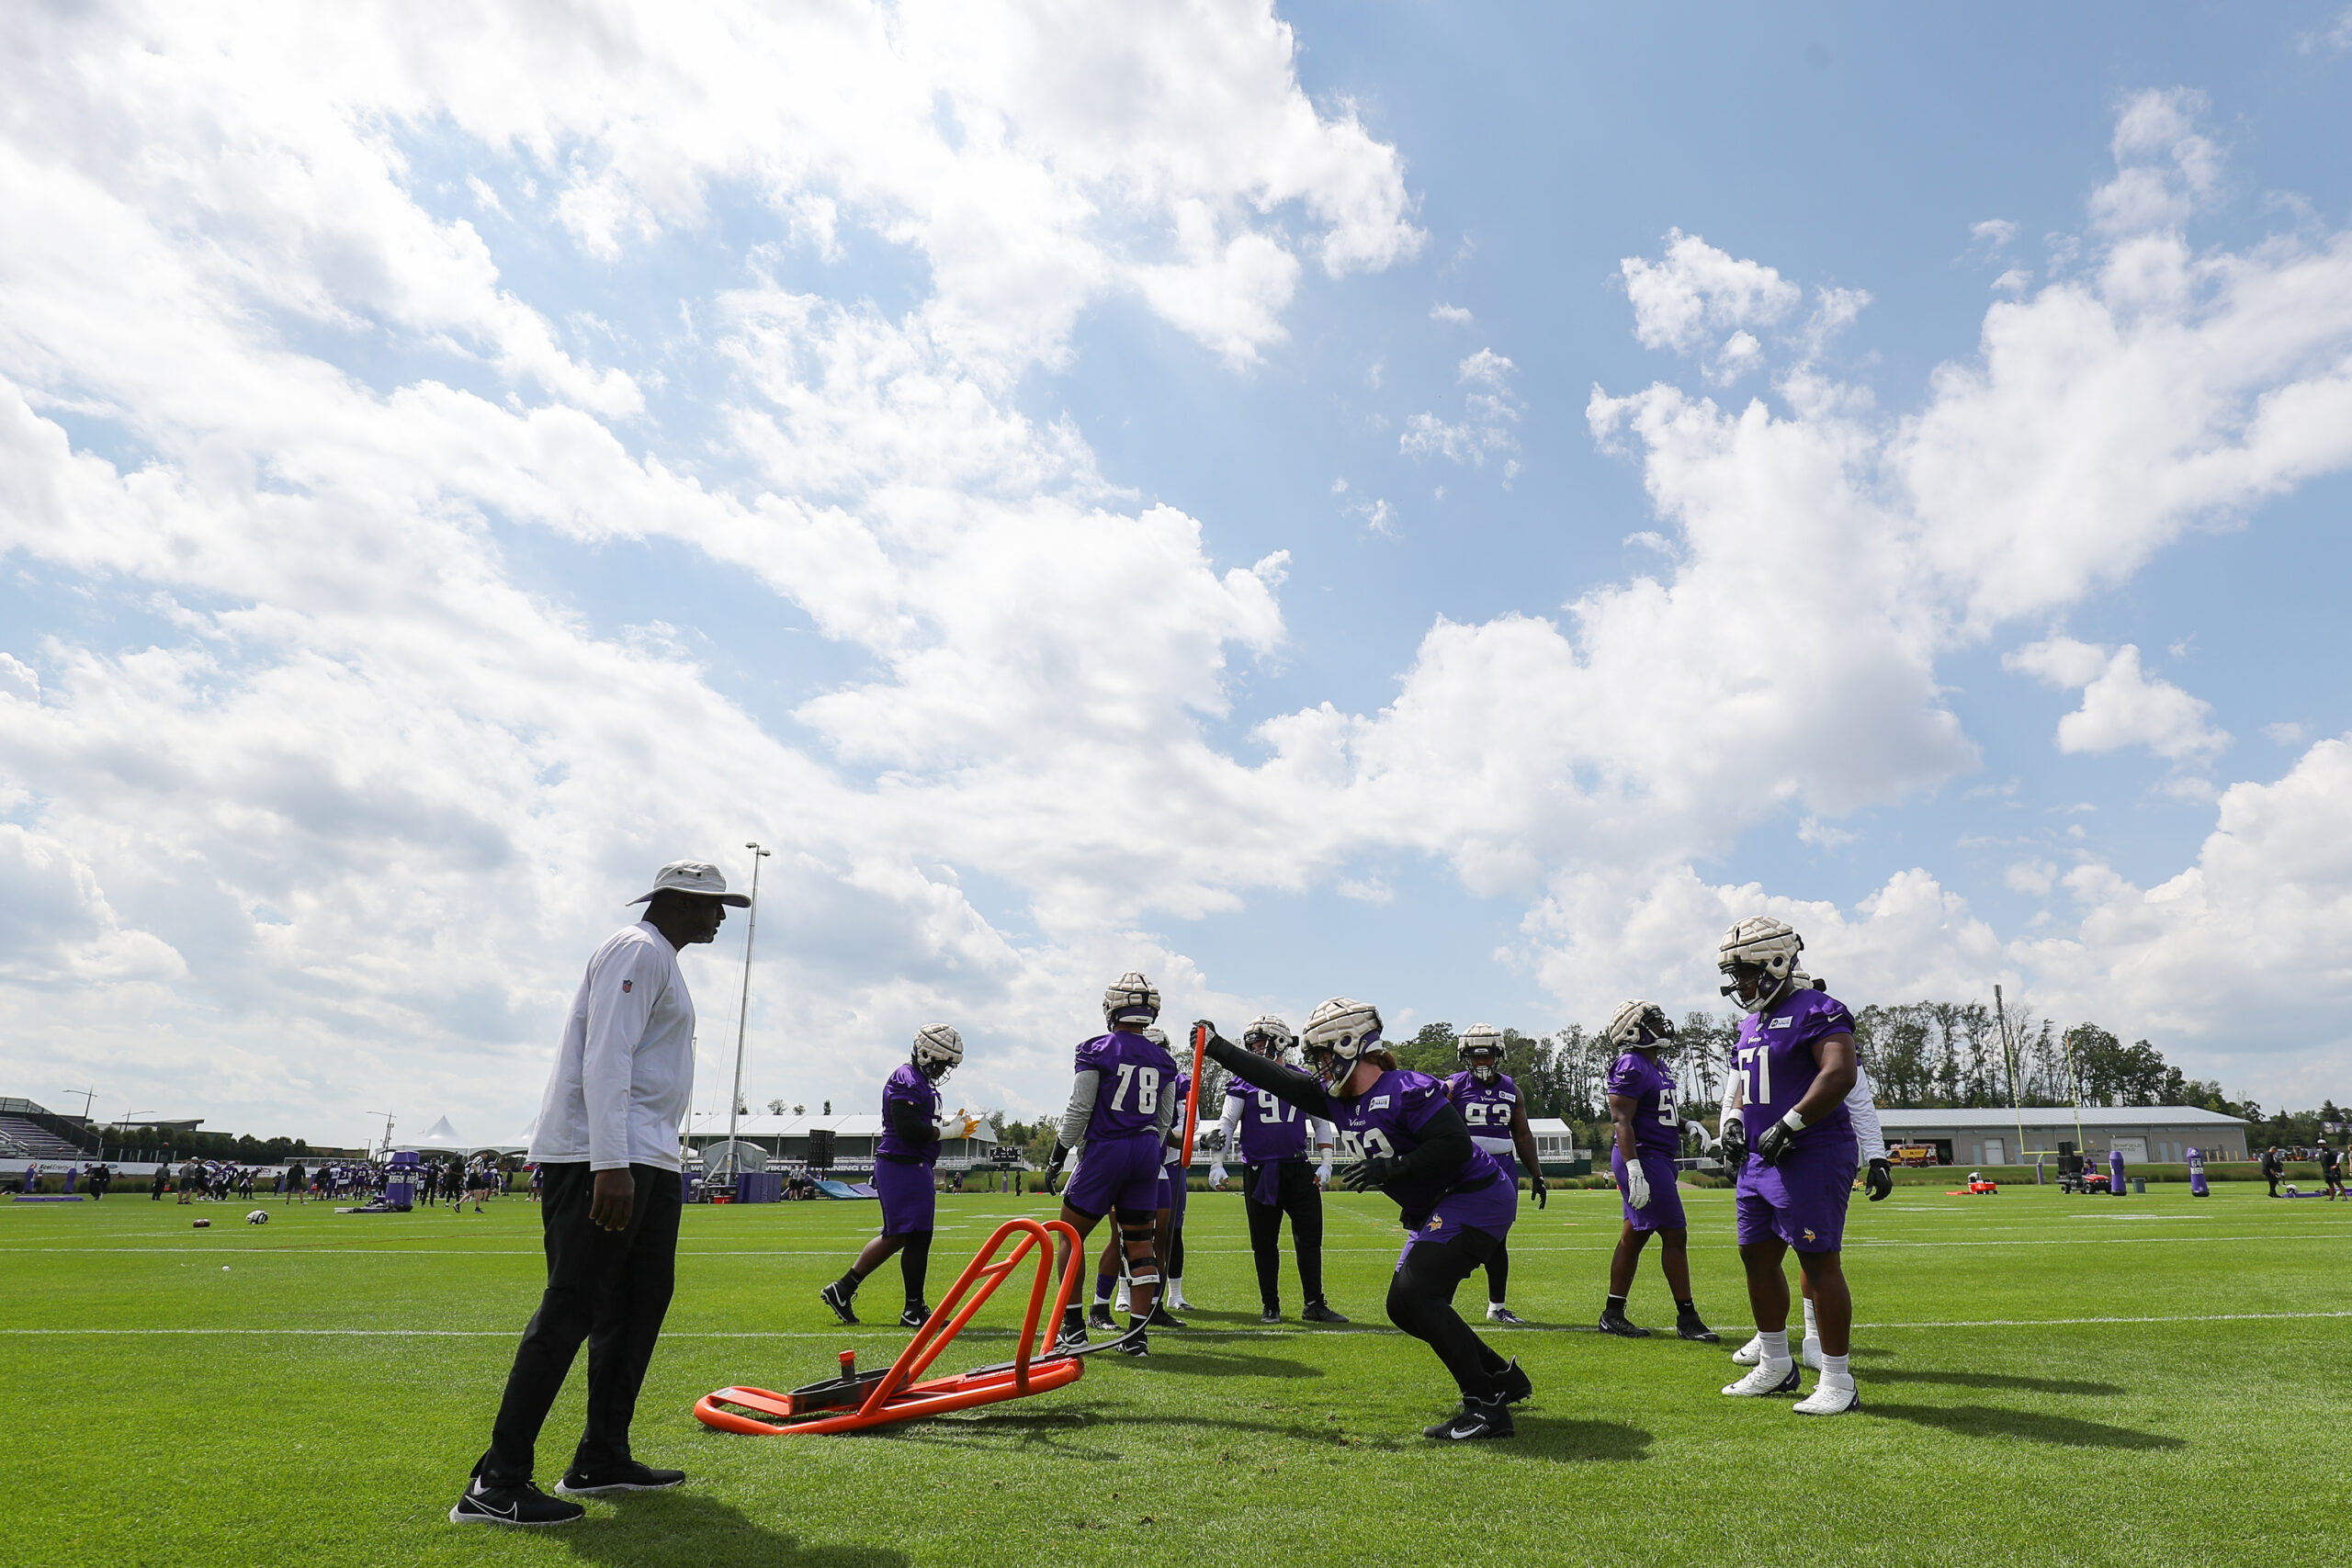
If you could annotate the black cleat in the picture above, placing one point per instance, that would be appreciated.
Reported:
(1163, 1318)
(1616, 1322)
(1689, 1326)
(1317, 1312)
(1135, 1344)
(1497, 1312)
(489, 1502)
(1473, 1419)
(1073, 1333)
(838, 1299)
(626, 1476)
(915, 1316)
(1512, 1384)
(1272, 1314)
(1101, 1319)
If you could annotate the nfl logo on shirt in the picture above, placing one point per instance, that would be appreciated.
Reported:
(627, 984)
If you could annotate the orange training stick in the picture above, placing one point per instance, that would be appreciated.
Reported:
(1193, 1097)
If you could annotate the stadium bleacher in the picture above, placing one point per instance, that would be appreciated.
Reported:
(20, 1139)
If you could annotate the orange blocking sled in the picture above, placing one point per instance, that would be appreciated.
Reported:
(856, 1399)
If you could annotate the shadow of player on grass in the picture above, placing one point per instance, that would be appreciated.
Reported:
(684, 1530)
(1561, 1440)
(1998, 1380)
(2022, 1426)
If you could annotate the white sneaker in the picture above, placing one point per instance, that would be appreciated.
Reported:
(1176, 1301)
(1747, 1355)
(1832, 1396)
(1810, 1353)
(1769, 1377)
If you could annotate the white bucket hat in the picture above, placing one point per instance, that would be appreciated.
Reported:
(696, 876)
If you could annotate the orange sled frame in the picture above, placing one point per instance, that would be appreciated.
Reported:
(901, 1394)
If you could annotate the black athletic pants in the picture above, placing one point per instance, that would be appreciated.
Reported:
(1297, 1196)
(1420, 1302)
(610, 1288)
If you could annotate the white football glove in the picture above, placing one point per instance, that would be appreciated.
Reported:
(1216, 1173)
(1323, 1172)
(1637, 1185)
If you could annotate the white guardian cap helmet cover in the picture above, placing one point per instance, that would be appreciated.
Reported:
(1338, 1035)
(937, 1049)
(1130, 998)
(1268, 1035)
(1759, 959)
(1638, 1023)
(1481, 1039)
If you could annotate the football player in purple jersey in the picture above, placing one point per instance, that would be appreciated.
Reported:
(1490, 1108)
(1878, 1179)
(1648, 1134)
(1787, 1127)
(1167, 1229)
(1272, 1138)
(1121, 1105)
(1407, 1139)
(912, 1127)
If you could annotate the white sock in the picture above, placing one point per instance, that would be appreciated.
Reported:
(1774, 1346)
(1812, 1329)
(1835, 1367)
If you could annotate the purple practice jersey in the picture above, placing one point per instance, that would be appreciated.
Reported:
(1137, 1079)
(1389, 1119)
(908, 1085)
(1775, 1051)
(1486, 1110)
(1657, 1124)
(1271, 1129)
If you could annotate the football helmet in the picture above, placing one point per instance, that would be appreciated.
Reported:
(1268, 1036)
(1480, 1047)
(1157, 1037)
(1130, 998)
(938, 1049)
(258, 1217)
(1639, 1024)
(1338, 1035)
(1759, 959)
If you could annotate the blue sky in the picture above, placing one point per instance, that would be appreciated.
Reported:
(1395, 506)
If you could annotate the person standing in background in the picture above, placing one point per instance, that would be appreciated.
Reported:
(2273, 1165)
(608, 1141)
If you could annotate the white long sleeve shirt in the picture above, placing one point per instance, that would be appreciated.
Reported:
(625, 1074)
(1862, 1104)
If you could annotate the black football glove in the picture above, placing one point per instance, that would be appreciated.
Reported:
(1880, 1179)
(1776, 1142)
(1369, 1173)
(1734, 1139)
(1542, 1192)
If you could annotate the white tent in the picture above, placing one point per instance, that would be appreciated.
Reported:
(439, 1139)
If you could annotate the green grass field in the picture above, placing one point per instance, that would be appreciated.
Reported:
(2141, 1380)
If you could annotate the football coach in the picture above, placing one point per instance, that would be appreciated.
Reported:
(608, 1147)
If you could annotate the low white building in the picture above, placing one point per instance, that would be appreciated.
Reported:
(786, 1139)
(2158, 1133)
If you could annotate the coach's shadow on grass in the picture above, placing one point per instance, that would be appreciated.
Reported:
(1575, 1442)
(1998, 1380)
(684, 1530)
(2029, 1426)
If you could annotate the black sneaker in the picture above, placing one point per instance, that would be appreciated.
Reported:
(626, 1476)
(1316, 1312)
(1473, 1419)
(1512, 1384)
(1135, 1345)
(1689, 1326)
(488, 1503)
(1163, 1318)
(1614, 1322)
(1272, 1314)
(838, 1299)
(1101, 1319)
(1073, 1333)
(915, 1316)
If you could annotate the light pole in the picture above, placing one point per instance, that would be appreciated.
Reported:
(2010, 1049)
(388, 1130)
(743, 1008)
